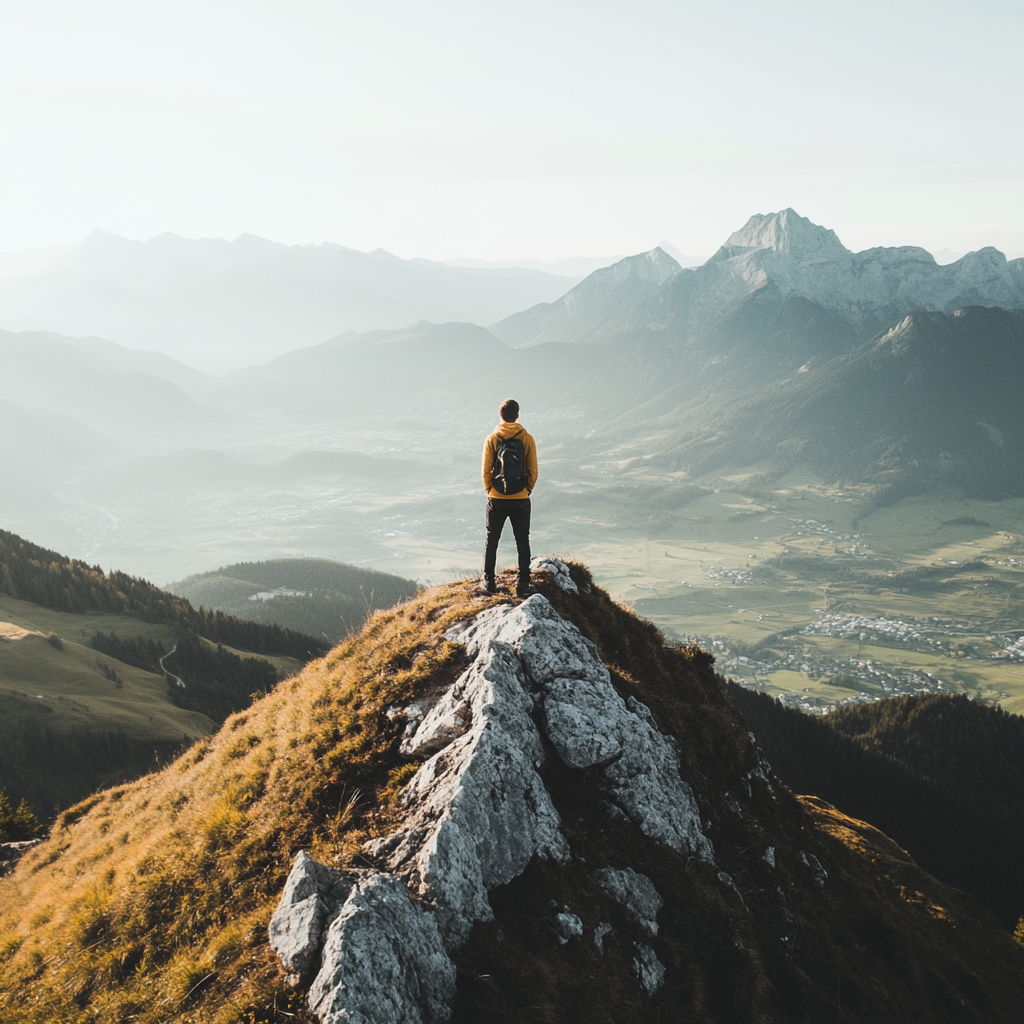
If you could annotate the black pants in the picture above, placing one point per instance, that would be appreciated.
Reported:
(498, 510)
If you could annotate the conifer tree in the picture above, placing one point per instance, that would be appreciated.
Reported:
(18, 825)
(24, 824)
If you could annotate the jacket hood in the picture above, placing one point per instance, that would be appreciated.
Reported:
(510, 429)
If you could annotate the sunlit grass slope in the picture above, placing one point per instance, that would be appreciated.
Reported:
(83, 700)
(150, 902)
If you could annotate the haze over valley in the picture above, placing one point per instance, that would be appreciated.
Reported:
(740, 447)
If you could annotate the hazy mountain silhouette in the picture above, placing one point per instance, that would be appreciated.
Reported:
(219, 303)
(103, 385)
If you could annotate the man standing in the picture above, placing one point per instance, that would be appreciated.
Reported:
(510, 474)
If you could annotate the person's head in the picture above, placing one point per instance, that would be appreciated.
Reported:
(509, 410)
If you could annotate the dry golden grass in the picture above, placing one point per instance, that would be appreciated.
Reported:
(150, 902)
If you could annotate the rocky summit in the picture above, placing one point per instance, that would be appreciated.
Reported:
(483, 809)
(776, 258)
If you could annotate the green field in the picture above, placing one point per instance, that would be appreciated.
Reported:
(70, 687)
(741, 569)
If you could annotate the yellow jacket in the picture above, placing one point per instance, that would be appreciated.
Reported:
(490, 447)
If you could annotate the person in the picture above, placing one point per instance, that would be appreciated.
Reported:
(510, 474)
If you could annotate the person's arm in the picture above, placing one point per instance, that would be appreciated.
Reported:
(487, 469)
(531, 464)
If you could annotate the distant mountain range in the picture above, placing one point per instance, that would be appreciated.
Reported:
(575, 266)
(221, 304)
(783, 349)
(785, 257)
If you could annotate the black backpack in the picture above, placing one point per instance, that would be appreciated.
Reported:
(509, 466)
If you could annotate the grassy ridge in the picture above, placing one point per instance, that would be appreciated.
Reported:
(330, 599)
(150, 902)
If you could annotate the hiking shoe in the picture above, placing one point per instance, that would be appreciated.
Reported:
(524, 591)
(488, 586)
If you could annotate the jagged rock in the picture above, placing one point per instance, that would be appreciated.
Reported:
(383, 960)
(635, 893)
(645, 783)
(820, 874)
(642, 710)
(478, 810)
(559, 571)
(649, 970)
(311, 892)
(566, 924)
(600, 932)
(578, 723)
(447, 720)
(588, 723)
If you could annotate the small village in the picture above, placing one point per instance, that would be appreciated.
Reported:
(867, 679)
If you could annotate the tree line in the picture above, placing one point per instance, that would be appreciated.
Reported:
(32, 573)
(17, 823)
(904, 768)
(50, 769)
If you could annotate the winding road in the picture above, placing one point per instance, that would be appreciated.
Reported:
(168, 672)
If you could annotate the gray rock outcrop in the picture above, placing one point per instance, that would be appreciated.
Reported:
(477, 812)
(649, 970)
(372, 955)
(559, 572)
(589, 724)
(297, 926)
(383, 960)
(635, 893)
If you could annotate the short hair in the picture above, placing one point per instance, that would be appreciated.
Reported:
(509, 410)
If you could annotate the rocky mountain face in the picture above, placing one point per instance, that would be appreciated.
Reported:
(785, 256)
(604, 305)
(934, 398)
(484, 809)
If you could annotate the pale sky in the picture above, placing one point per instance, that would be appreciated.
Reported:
(511, 129)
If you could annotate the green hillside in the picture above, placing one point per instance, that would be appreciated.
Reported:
(315, 595)
(84, 701)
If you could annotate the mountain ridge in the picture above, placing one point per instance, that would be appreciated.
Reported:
(763, 905)
(796, 258)
(220, 303)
